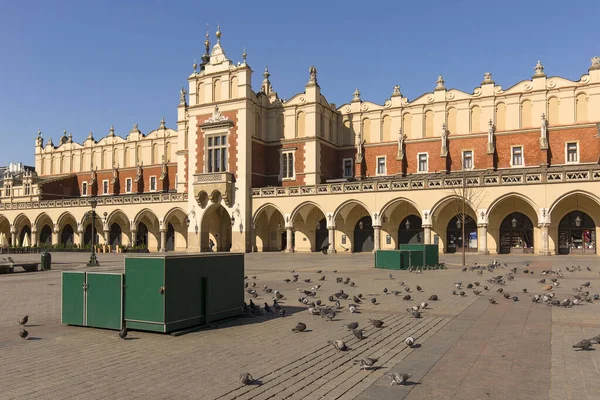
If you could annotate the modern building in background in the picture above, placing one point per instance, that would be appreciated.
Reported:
(250, 171)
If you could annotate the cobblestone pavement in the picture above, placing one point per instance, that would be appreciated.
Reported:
(467, 348)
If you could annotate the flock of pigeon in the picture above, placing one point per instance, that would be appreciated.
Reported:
(316, 307)
(502, 274)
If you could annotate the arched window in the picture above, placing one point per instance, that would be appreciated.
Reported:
(552, 116)
(126, 161)
(429, 123)
(526, 114)
(300, 128)
(168, 152)
(200, 93)
(581, 108)
(386, 129)
(475, 122)
(347, 133)
(501, 117)
(155, 159)
(451, 118)
(366, 130)
(407, 125)
(217, 90)
(234, 87)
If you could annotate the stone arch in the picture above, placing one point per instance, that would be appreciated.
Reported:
(500, 209)
(147, 228)
(215, 228)
(5, 236)
(572, 202)
(365, 128)
(306, 219)
(234, 87)
(216, 90)
(117, 223)
(200, 93)
(392, 216)
(347, 217)
(67, 228)
(443, 212)
(177, 237)
(269, 229)
(20, 223)
(581, 107)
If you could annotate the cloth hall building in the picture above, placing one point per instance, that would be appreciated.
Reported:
(248, 171)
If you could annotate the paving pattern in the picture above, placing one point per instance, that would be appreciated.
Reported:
(467, 348)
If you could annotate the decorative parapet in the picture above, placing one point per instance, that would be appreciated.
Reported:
(213, 186)
(485, 178)
(102, 201)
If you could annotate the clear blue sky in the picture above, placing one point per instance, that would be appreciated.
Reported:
(84, 65)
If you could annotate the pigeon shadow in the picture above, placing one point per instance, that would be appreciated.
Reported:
(34, 338)
(256, 382)
(306, 330)
(131, 338)
(30, 325)
(410, 383)
(588, 349)
(416, 346)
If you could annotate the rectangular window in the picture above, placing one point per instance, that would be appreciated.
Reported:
(468, 159)
(422, 159)
(287, 165)
(216, 158)
(27, 189)
(348, 168)
(517, 156)
(105, 186)
(128, 185)
(572, 153)
(7, 190)
(84, 189)
(152, 183)
(380, 165)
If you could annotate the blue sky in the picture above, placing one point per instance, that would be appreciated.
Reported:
(84, 65)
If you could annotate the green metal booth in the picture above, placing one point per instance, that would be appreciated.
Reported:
(158, 293)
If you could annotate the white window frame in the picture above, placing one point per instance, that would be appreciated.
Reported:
(384, 166)
(281, 166)
(212, 136)
(107, 187)
(344, 167)
(576, 143)
(472, 167)
(86, 186)
(128, 183)
(419, 162)
(27, 189)
(7, 190)
(512, 156)
(150, 179)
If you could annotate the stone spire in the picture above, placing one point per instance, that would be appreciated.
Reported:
(396, 91)
(163, 124)
(218, 34)
(266, 87)
(39, 141)
(312, 80)
(487, 79)
(595, 63)
(244, 55)
(539, 70)
(440, 83)
(206, 56)
(64, 139)
(111, 131)
(356, 95)
(182, 98)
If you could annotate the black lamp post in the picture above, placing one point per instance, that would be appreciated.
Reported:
(93, 260)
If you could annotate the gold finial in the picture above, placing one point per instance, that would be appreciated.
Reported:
(218, 34)
(207, 41)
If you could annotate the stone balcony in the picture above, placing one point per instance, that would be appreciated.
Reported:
(484, 178)
(209, 186)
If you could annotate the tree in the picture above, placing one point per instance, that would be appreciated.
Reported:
(465, 193)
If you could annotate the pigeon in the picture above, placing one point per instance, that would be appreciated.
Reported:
(454, 292)
(339, 345)
(246, 378)
(401, 283)
(351, 325)
(433, 297)
(300, 327)
(462, 293)
(542, 280)
(123, 333)
(366, 362)
(374, 300)
(470, 286)
(419, 288)
(23, 321)
(395, 292)
(414, 314)
(356, 299)
(585, 344)
(500, 290)
(23, 334)
(358, 333)
(359, 295)
(507, 295)
(253, 276)
(352, 308)
(319, 271)
(268, 309)
(476, 292)
(282, 312)
(287, 280)
(307, 280)
(524, 290)
(596, 339)
(398, 379)
(10, 260)
(335, 271)
(407, 297)
(492, 300)
(322, 278)
(385, 290)
(391, 276)
(376, 323)
(424, 305)
(587, 284)
(330, 315)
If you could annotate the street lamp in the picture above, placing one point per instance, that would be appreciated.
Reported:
(93, 260)
(458, 223)
(513, 222)
(577, 221)
(407, 224)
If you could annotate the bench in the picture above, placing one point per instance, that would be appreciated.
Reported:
(8, 268)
